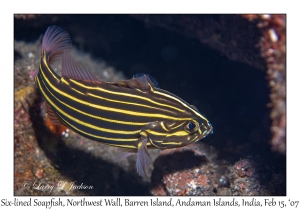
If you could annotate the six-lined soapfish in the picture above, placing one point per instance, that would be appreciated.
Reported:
(134, 115)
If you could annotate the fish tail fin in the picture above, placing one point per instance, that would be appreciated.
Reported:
(55, 41)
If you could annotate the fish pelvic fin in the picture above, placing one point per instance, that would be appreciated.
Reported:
(143, 157)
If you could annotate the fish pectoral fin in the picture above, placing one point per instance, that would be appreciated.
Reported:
(51, 115)
(143, 157)
(123, 153)
(73, 70)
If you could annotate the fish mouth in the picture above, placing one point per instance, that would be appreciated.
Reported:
(207, 129)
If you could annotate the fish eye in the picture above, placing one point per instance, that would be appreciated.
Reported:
(191, 127)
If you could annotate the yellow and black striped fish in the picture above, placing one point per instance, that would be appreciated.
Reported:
(135, 115)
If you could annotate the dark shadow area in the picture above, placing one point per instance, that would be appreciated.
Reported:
(178, 161)
(82, 167)
(17, 56)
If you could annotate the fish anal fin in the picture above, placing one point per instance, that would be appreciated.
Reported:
(123, 153)
(51, 115)
(73, 70)
(143, 157)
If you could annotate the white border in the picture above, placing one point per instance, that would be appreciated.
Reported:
(153, 6)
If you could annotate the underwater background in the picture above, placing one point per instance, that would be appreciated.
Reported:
(216, 62)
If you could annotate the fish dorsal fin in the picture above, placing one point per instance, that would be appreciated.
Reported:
(195, 108)
(51, 115)
(73, 70)
(142, 83)
(152, 79)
